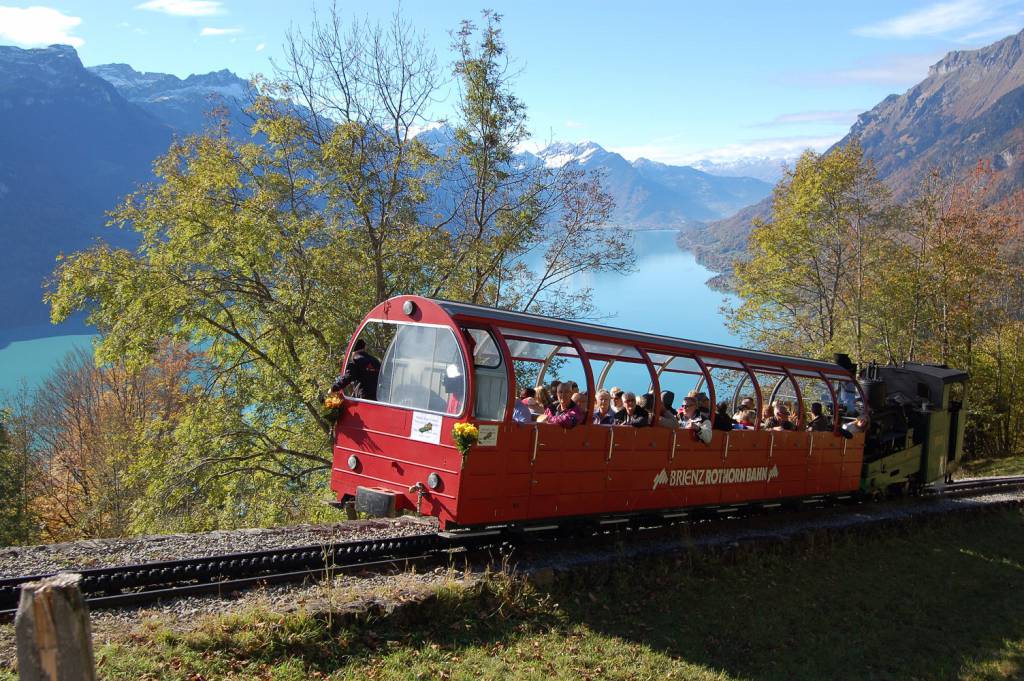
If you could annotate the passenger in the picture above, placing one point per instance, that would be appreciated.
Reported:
(521, 413)
(704, 405)
(667, 415)
(361, 372)
(541, 401)
(604, 415)
(631, 414)
(747, 420)
(552, 394)
(526, 395)
(565, 413)
(746, 404)
(767, 414)
(819, 422)
(583, 400)
(722, 419)
(780, 421)
(616, 399)
(689, 417)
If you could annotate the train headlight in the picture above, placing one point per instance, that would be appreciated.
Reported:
(353, 462)
(433, 481)
(409, 307)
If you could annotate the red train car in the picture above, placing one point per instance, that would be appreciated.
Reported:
(444, 362)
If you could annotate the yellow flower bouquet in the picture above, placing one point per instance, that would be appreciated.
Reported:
(465, 435)
(333, 403)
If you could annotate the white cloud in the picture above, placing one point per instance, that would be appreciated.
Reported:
(573, 125)
(35, 26)
(897, 69)
(774, 147)
(209, 31)
(932, 20)
(846, 117)
(986, 34)
(259, 48)
(184, 8)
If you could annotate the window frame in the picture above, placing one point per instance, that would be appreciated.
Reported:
(470, 392)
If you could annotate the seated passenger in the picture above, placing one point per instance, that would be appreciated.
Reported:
(616, 399)
(604, 415)
(780, 421)
(746, 404)
(722, 419)
(526, 395)
(667, 415)
(767, 414)
(819, 422)
(704, 405)
(542, 400)
(631, 413)
(747, 420)
(689, 417)
(521, 413)
(564, 413)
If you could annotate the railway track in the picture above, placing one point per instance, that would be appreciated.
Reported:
(144, 583)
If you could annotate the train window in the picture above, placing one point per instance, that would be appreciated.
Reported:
(848, 399)
(731, 385)
(816, 390)
(610, 349)
(628, 375)
(678, 375)
(485, 350)
(490, 382)
(423, 369)
(778, 390)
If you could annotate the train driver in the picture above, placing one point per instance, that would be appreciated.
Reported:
(361, 372)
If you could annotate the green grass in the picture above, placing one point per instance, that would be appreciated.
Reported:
(936, 602)
(978, 468)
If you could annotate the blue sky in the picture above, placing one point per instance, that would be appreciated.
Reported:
(671, 81)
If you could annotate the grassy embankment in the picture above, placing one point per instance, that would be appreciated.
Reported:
(982, 468)
(939, 602)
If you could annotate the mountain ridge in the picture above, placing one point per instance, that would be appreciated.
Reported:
(969, 108)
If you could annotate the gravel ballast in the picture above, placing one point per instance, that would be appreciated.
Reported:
(94, 553)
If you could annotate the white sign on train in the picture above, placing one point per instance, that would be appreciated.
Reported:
(488, 436)
(694, 477)
(425, 427)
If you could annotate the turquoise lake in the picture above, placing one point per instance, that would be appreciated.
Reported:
(666, 295)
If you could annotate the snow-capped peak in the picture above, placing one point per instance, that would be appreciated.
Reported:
(557, 154)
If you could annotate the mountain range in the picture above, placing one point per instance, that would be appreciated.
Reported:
(651, 195)
(76, 140)
(969, 109)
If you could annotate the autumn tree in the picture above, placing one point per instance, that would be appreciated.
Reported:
(99, 435)
(805, 288)
(266, 253)
(17, 473)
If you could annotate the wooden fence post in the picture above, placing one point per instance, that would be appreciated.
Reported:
(52, 628)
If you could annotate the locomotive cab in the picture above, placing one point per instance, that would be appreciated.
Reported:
(917, 429)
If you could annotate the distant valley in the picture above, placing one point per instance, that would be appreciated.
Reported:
(77, 140)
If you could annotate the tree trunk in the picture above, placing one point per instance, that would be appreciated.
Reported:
(52, 627)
